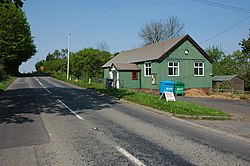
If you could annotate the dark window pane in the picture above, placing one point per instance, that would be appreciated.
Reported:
(170, 71)
(200, 71)
(195, 71)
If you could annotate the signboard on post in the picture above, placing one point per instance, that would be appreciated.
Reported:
(169, 96)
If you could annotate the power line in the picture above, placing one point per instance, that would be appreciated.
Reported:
(225, 30)
(223, 6)
(100, 15)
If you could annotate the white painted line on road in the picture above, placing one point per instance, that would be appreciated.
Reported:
(78, 116)
(43, 85)
(129, 156)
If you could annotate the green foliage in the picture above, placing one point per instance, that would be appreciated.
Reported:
(238, 63)
(84, 63)
(245, 45)
(55, 65)
(17, 3)
(2, 72)
(88, 63)
(39, 64)
(57, 55)
(6, 82)
(16, 42)
(215, 53)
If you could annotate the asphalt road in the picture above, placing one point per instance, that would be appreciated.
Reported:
(239, 109)
(44, 121)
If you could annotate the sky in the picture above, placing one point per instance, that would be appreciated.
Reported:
(118, 22)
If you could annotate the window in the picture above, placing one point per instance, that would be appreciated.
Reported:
(147, 69)
(173, 68)
(198, 68)
(134, 75)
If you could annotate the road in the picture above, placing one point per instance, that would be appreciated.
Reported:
(238, 108)
(44, 121)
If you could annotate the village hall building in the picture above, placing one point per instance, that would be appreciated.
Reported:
(179, 59)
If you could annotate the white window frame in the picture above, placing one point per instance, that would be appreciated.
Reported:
(147, 68)
(173, 68)
(199, 67)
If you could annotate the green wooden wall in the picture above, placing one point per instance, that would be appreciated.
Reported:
(186, 73)
(125, 78)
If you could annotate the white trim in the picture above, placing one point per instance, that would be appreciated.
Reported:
(118, 82)
(148, 62)
(198, 67)
(173, 67)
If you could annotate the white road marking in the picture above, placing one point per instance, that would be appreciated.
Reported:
(43, 85)
(129, 156)
(78, 116)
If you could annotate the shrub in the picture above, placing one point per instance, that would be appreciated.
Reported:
(2, 72)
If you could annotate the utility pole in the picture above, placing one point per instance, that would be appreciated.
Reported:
(68, 57)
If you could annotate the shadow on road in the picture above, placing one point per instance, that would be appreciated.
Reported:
(18, 105)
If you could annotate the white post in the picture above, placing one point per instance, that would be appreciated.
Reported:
(68, 57)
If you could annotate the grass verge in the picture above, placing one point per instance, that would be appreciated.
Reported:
(6, 82)
(178, 107)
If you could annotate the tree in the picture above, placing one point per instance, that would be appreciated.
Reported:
(245, 45)
(88, 62)
(57, 54)
(156, 31)
(39, 64)
(102, 46)
(16, 42)
(173, 27)
(216, 53)
(17, 3)
(244, 60)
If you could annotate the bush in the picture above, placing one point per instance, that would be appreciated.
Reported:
(2, 72)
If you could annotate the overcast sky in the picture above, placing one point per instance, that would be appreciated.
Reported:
(117, 23)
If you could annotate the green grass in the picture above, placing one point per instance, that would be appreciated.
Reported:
(178, 107)
(6, 82)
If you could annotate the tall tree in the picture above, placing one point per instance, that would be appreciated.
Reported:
(57, 54)
(156, 31)
(245, 45)
(16, 42)
(102, 46)
(88, 62)
(17, 3)
(215, 53)
(174, 27)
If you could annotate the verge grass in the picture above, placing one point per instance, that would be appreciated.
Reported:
(6, 82)
(178, 107)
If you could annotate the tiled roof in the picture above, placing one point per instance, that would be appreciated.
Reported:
(152, 52)
(126, 66)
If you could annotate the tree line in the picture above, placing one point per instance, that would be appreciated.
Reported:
(84, 63)
(237, 63)
(16, 42)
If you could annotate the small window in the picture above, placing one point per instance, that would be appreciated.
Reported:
(134, 75)
(147, 69)
(198, 68)
(173, 68)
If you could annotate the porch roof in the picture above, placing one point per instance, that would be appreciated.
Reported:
(126, 67)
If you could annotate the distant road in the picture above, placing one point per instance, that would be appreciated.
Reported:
(44, 121)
